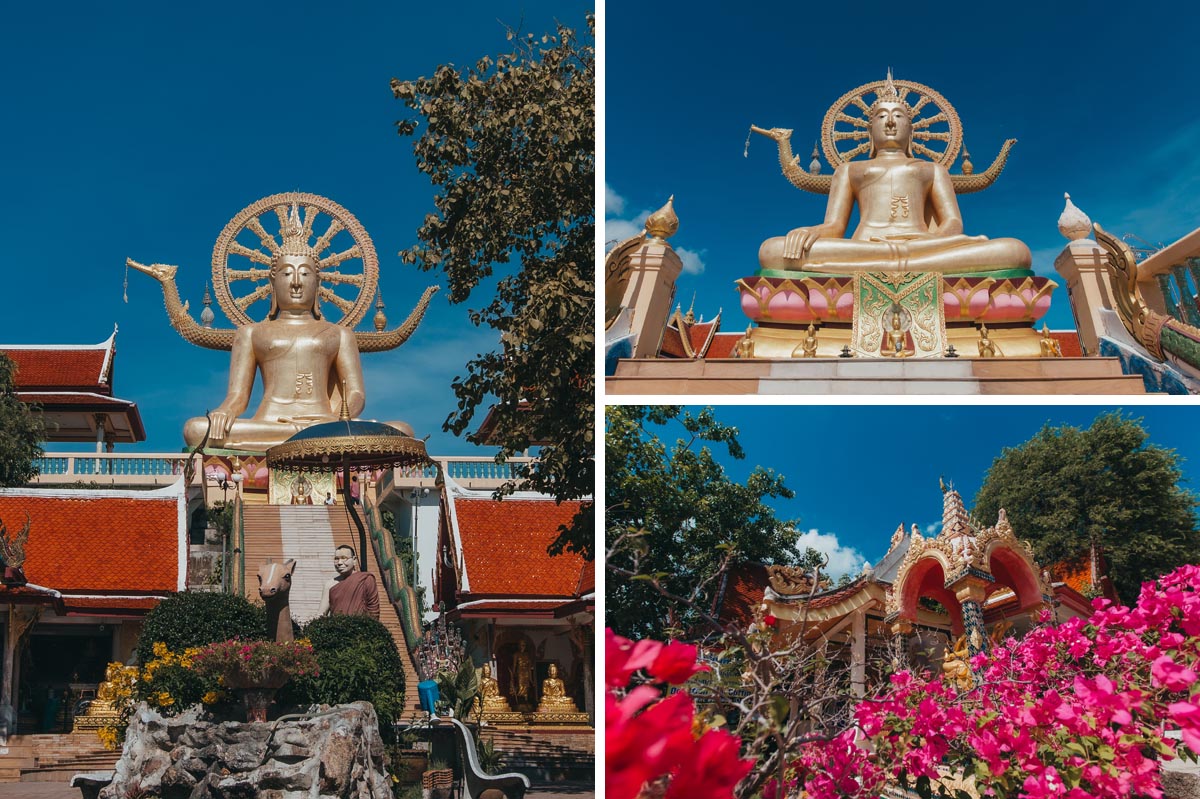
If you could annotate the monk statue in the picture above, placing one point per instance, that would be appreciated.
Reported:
(310, 365)
(909, 220)
(351, 593)
(554, 694)
(522, 676)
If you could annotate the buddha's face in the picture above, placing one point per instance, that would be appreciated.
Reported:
(487, 670)
(890, 127)
(295, 280)
(553, 671)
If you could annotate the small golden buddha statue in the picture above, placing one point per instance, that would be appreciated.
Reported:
(490, 699)
(554, 694)
(909, 215)
(957, 667)
(986, 348)
(810, 342)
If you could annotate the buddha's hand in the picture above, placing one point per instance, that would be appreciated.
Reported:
(220, 421)
(798, 242)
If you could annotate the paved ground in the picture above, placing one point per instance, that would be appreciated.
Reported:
(53, 790)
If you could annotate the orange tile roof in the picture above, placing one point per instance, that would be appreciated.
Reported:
(504, 545)
(59, 369)
(722, 345)
(1068, 342)
(97, 544)
(744, 588)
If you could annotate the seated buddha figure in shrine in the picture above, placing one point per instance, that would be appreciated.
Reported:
(909, 219)
(554, 694)
(489, 699)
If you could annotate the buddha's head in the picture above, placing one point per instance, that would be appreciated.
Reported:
(890, 127)
(295, 271)
(889, 120)
(486, 670)
(553, 671)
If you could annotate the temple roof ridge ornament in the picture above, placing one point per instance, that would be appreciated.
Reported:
(1074, 224)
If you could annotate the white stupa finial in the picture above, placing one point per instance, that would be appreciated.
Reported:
(1074, 224)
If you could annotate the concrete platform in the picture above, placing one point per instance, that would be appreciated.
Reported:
(824, 376)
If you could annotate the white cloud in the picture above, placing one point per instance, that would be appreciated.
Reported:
(842, 559)
(693, 263)
(613, 202)
(932, 529)
(619, 226)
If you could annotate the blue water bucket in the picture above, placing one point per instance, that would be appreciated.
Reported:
(427, 692)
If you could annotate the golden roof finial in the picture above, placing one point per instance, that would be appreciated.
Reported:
(662, 224)
(690, 316)
(380, 318)
(967, 167)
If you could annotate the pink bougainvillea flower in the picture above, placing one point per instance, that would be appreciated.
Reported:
(676, 663)
(1170, 675)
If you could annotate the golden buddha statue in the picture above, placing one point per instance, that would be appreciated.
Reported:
(554, 694)
(309, 364)
(490, 704)
(908, 210)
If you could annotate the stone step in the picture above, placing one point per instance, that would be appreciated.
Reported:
(817, 376)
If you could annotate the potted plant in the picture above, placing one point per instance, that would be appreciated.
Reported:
(256, 669)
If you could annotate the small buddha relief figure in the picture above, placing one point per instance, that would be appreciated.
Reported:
(554, 694)
(986, 348)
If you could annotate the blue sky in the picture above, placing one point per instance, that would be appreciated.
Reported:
(858, 471)
(139, 129)
(1098, 96)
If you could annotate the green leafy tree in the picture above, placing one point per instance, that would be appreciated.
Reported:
(1072, 492)
(510, 145)
(673, 513)
(21, 431)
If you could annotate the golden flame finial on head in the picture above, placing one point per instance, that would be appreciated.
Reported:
(889, 93)
(295, 237)
(663, 223)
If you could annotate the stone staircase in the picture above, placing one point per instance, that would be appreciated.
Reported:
(53, 757)
(545, 754)
(310, 533)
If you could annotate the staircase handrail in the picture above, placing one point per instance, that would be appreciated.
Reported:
(400, 593)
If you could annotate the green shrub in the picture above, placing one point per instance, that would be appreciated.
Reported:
(195, 619)
(359, 661)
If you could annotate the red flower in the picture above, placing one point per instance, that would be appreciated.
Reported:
(623, 657)
(676, 663)
(711, 768)
(770, 620)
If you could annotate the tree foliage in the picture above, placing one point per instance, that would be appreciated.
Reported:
(21, 431)
(674, 514)
(1067, 489)
(510, 144)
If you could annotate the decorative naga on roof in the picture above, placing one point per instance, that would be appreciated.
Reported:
(305, 347)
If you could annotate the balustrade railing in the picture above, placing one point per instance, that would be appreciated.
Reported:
(110, 467)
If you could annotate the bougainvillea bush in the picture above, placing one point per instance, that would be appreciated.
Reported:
(1080, 709)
